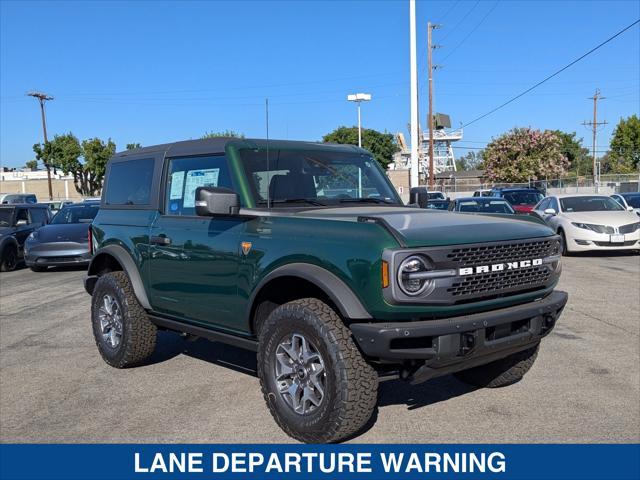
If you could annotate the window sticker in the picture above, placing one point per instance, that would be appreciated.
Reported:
(177, 183)
(198, 178)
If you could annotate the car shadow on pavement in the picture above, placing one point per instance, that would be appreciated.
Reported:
(400, 392)
(171, 344)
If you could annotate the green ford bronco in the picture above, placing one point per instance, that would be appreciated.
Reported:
(304, 253)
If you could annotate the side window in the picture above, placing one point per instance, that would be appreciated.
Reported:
(22, 215)
(130, 182)
(554, 204)
(185, 174)
(544, 204)
(39, 216)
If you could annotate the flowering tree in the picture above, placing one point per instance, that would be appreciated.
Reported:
(524, 154)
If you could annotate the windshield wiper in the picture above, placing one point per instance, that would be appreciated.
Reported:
(366, 200)
(293, 200)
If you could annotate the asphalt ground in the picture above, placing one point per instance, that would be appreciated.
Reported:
(54, 387)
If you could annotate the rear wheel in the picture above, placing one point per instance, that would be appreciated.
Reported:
(9, 259)
(123, 332)
(314, 379)
(500, 373)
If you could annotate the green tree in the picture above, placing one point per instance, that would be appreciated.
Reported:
(31, 164)
(133, 146)
(225, 133)
(577, 155)
(65, 152)
(381, 145)
(524, 154)
(471, 161)
(624, 153)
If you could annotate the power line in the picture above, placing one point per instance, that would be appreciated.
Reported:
(472, 30)
(552, 75)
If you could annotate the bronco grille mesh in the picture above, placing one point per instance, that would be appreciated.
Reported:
(501, 253)
(497, 282)
(483, 285)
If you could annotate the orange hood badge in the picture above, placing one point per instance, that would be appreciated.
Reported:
(246, 247)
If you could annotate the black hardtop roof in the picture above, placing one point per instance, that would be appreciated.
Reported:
(217, 145)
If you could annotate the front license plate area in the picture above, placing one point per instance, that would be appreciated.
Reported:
(617, 238)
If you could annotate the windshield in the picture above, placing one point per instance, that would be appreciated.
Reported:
(523, 198)
(316, 178)
(589, 204)
(484, 206)
(6, 214)
(633, 200)
(435, 196)
(76, 214)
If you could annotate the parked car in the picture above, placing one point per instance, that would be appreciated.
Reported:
(64, 241)
(17, 221)
(241, 241)
(421, 196)
(481, 205)
(56, 205)
(590, 222)
(629, 200)
(482, 193)
(14, 198)
(521, 199)
(438, 205)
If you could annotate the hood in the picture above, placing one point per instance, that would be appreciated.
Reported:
(419, 227)
(612, 219)
(523, 208)
(70, 232)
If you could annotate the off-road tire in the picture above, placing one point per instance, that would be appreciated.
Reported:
(500, 373)
(351, 383)
(9, 259)
(35, 268)
(138, 340)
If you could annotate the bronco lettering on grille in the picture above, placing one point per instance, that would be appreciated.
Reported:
(499, 267)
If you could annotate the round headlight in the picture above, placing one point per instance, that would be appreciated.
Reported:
(412, 286)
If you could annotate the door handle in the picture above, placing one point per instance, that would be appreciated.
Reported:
(160, 240)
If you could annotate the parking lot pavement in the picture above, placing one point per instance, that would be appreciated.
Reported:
(54, 387)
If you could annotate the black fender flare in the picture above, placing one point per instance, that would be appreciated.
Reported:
(128, 264)
(338, 291)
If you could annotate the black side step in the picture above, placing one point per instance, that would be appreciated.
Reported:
(213, 335)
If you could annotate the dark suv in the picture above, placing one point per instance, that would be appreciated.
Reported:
(17, 221)
(304, 253)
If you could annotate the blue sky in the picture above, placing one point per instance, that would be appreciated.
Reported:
(153, 72)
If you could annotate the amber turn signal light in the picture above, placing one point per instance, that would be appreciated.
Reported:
(385, 274)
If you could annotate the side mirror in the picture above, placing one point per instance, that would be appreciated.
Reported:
(630, 209)
(216, 201)
(549, 211)
(21, 223)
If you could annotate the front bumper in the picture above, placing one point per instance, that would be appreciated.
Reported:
(57, 254)
(582, 240)
(457, 343)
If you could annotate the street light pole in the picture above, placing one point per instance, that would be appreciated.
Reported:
(359, 98)
(43, 97)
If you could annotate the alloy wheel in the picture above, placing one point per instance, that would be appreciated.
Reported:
(110, 316)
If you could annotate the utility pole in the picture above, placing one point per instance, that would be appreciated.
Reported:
(594, 129)
(43, 97)
(430, 27)
(414, 178)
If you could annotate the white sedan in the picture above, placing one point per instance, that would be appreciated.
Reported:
(590, 222)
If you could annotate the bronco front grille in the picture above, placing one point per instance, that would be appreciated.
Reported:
(501, 253)
(489, 284)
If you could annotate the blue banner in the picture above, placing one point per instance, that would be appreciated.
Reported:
(132, 461)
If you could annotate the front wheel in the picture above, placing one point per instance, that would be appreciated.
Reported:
(316, 383)
(501, 373)
(9, 259)
(124, 334)
(563, 244)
